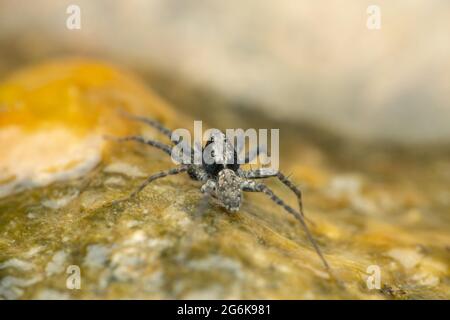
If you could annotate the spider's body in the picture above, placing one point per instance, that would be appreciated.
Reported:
(223, 155)
(221, 175)
(220, 172)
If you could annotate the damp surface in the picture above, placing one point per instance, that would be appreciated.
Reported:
(369, 209)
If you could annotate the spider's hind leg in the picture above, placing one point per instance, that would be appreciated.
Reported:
(298, 193)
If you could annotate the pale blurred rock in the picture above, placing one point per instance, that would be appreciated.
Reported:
(295, 60)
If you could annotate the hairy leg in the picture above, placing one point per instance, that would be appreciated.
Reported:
(158, 126)
(268, 173)
(154, 177)
(153, 123)
(198, 173)
(159, 175)
(253, 186)
(298, 193)
(258, 173)
(161, 146)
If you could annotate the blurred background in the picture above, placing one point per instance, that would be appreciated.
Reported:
(364, 127)
(299, 62)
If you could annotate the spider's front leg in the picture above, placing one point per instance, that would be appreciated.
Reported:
(268, 173)
(253, 186)
(208, 189)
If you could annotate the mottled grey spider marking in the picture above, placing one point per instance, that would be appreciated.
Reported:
(222, 177)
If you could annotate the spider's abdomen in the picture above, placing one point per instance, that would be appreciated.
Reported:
(228, 190)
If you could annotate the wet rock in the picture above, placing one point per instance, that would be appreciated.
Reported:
(57, 214)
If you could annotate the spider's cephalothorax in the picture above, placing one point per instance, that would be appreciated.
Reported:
(221, 175)
(219, 154)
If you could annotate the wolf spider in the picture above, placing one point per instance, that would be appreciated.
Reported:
(223, 180)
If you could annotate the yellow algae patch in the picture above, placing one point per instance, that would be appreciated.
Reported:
(312, 176)
(53, 116)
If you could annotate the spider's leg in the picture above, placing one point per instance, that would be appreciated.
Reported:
(162, 146)
(153, 123)
(253, 186)
(158, 126)
(298, 193)
(251, 155)
(260, 173)
(267, 173)
(159, 175)
(153, 177)
(198, 173)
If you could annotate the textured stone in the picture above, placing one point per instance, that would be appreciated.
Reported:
(157, 246)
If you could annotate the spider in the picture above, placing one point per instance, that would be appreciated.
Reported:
(222, 179)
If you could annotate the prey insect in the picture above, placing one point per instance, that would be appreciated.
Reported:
(221, 178)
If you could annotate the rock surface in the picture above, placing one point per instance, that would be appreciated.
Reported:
(59, 178)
